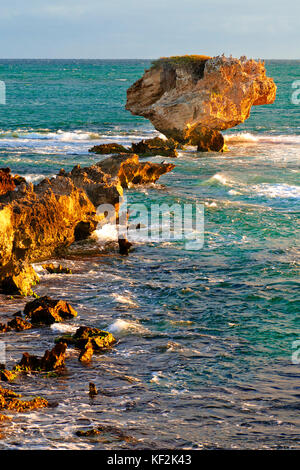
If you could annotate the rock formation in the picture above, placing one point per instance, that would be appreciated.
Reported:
(130, 171)
(192, 98)
(41, 221)
(144, 148)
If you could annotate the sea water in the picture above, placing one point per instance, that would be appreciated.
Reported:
(206, 355)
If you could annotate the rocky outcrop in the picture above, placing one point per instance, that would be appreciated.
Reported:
(41, 221)
(52, 360)
(130, 171)
(192, 98)
(47, 311)
(88, 340)
(106, 149)
(38, 222)
(155, 146)
(144, 148)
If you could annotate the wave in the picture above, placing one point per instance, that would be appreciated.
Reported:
(280, 190)
(121, 327)
(248, 138)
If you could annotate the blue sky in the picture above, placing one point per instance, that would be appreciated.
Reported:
(149, 28)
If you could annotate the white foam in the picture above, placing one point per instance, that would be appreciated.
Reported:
(283, 191)
(124, 299)
(63, 328)
(121, 327)
(247, 137)
(106, 233)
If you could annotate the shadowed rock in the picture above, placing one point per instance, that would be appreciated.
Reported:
(6, 181)
(47, 311)
(51, 360)
(88, 340)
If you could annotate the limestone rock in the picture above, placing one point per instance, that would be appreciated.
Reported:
(189, 97)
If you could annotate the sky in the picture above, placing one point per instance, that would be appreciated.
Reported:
(128, 29)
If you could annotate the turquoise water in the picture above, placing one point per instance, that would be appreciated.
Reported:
(206, 336)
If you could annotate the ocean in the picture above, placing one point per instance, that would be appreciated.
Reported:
(207, 340)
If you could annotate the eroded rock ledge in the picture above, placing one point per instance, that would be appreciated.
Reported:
(192, 98)
(41, 221)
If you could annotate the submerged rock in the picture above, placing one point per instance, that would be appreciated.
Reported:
(88, 340)
(47, 311)
(56, 269)
(124, 246)
(192, 98)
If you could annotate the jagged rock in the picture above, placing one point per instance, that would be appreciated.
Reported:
(99, 186)
(16, 324)
(187, 98)
(88, 340)
(47, 311)
(105, 149)
(51, 360)
(7, 375)
(37, 222)
(10, 400)
(155, 146)
(6, 181)
(18, 278)
(56, 269)
(131, 171)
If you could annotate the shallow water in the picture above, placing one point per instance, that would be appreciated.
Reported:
(205, 338)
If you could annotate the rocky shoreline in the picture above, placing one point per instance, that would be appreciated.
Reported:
(43, 221)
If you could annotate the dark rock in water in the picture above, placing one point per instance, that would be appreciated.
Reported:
(16, 324)
(105, 149)
(84, 229)
(6, 181)
(144, 148)
(110, 432)
(188, 97)
(47, 311)
(92, 390)
(7, 375)
(51, 360)
(155, 146)
(131, 171)
(124, 246)
(88, 340)
(18, 278)
(56, 269)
